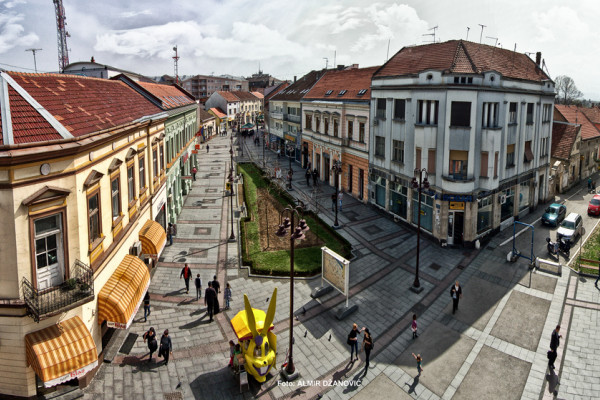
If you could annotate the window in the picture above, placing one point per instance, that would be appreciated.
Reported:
(48, 239)
(510, 155)
(350, 127)
(398, 151)
(460, 114)
(361, 132)
(317, 124)
(162, 157)
(326, 122)
(530, 113)
(484, 213)
(342, 92)
(547, 113)
(130, 183)
(379, 146)
(490, 115)
(328, 92)
(458, 164)
(544, 147)
(399, 108)
(496, 165)
(94, 220)
(512, 113)
(115, 186)
(380, 109)
(431, 161)
(484, 164)
(308, 122)
(418, 158)
(335, 127)
(427, 112)
(155, 162)
(142, 174)
(523, 195)
(362, 91)
(528, 156)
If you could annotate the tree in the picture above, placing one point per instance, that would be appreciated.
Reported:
(566, 89)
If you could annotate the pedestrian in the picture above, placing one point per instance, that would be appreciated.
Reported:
(207, 148)
(308, 166)
(456, 294)
(289, 178)
(554, 344)
(367, 346)
(231, 352)
(198, 283)
(414, 327)
(340, 196)
(170, 231)
(209, 300)
(150, 336)
(217, 287)
(333, 197)
(278, 153)
(419, 361)
(186, 274)
(146, 306)
(194, 171)
(227, 296)
(589, 183)
(353, 341)
(307, 175)
(315, 174)
(166, 346)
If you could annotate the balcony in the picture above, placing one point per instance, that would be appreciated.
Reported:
(73, 292)
(276, 115)
(292, 118)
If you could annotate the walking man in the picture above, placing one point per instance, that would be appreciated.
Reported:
(217, 287)
(333, 197)
(307, 175)
(554, 343)
(456, 294)
(207, 148)
(315, 174)
(170, 231)
(146, 306)
(186, 274)
(166, 346)
(198, 283)
(209, 300)
(194, 171)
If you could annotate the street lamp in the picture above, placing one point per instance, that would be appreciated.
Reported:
(419, 185)
(336, 169)
(232, 236)
(296, 233)
(288, 150)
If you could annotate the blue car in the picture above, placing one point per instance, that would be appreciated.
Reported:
(554, 214)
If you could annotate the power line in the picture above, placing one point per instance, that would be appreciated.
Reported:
(25, 68)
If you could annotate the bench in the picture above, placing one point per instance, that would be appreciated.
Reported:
(588, 264)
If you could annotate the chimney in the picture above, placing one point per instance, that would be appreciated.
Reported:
(538, 58)
(340, 67)
(294, 78)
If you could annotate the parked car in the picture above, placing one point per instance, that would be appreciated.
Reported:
(594, 206)
(571, 228)
(554, 214)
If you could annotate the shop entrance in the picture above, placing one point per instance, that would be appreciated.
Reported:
(455, 227)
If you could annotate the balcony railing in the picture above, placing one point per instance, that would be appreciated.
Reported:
(75, 291)
(292, 118)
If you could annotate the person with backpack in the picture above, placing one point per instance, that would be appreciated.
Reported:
(166, 346)
(367, 346)
(150, 336)
(186, 274)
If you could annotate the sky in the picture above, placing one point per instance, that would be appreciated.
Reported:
(291, 38)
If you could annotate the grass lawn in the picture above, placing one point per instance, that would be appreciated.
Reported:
(276, 261)
(590, 251)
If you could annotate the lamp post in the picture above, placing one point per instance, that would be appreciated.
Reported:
(232, 236)
(296, 233)
(420, 184)
(288, 150)
(336, 169)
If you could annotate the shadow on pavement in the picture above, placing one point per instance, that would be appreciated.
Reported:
(413, 385)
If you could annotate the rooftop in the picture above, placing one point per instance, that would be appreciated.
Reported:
(351, 84)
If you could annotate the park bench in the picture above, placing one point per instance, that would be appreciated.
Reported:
(589, 265)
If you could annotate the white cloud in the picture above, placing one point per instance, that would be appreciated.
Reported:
(132, 14)
(11, 3)
(12, 32)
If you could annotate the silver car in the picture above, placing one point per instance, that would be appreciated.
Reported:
(571, 228)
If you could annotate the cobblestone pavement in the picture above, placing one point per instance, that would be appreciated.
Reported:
(493, 347)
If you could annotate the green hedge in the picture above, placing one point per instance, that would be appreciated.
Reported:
(307, 261)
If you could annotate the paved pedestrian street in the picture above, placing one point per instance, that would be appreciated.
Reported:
(494, 347)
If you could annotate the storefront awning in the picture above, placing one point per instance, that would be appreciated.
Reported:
(153, 238)
(61, 352)
(121, 296)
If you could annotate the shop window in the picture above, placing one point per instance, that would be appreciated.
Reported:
(484, 213)
(524, 196)
(506, 200)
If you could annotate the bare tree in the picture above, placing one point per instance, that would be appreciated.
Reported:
(566, 89)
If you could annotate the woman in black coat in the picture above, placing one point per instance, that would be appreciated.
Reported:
(152, 343)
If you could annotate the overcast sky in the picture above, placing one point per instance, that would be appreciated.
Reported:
(290, 38)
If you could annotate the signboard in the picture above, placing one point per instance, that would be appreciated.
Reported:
(457, 205)
(194, 151)
(78, 373)
(335, 271)
(290, 138)
(457, 197)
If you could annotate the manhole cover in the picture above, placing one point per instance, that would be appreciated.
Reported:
(435, 267)
(173, 396)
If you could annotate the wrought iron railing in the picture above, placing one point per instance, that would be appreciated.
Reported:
(77, 290)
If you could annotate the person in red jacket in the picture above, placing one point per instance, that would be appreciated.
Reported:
(186, 274)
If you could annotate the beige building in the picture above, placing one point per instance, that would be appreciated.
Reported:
(80, 183)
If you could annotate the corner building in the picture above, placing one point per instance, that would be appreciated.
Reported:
(479, 120)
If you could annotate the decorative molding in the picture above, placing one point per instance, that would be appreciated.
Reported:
(47, 193)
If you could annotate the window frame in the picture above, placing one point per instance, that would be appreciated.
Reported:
(380, 111)
(119, 211)
(379, 142)
(361, 131)
(460, 114)
(428, 119)
(400, 114)
(94, 242)
(62, 211)
(530, 113)
(513, 115)
(155, 172)
(131, 195)
(398, 151)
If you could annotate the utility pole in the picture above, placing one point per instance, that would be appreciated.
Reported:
(34, 62)
(176, 58)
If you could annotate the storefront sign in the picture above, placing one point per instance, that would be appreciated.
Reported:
(194, 151)
(71, 375)
(457, 205)
(290, 138)
(457, 197)
(197, 147)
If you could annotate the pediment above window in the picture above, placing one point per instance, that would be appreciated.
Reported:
(93, 178)
(47, 193)
(130, 154)
(114, 165)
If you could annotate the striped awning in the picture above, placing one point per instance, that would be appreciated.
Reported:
(121, 296)
(153, 238)
(61, 352)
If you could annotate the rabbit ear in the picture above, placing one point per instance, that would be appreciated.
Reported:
(270, 313)
(250, 317)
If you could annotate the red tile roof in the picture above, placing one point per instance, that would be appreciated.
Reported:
(258, 95)
(205, 115)
(244, 96)
(344, 85)
(218, 112)
(228, 96)
(563, 138)
(170, 95)
(85, 105)
(593, 115)
(574, 115)
(297, 90)
(459, 56)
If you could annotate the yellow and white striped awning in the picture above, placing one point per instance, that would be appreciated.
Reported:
(153, 238)
(61, 352)
(121, 296)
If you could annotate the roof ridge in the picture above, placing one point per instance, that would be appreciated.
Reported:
(460, 46)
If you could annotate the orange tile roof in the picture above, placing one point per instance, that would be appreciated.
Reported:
(218, 112)
(244, 96)
(170, 95)
(84, 105)
(574, 115)
(459, 56)
(593, 114)
(258, 95)
(344, 85)
(228, 96)
(563, 138)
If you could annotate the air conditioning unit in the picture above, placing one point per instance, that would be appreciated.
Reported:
(502, 198)
(136, 249)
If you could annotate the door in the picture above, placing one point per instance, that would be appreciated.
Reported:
(450, 228)
(361, 183)
(458, 227)
(305, 154)
(349, 178)
(49, 251)
(325, 168)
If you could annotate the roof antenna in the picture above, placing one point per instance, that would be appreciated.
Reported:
(34, 62)
(431, 34)
(490, 37)
(334, 57)
(468, 33)
(326, 61)
(481, 35)
(387, 56)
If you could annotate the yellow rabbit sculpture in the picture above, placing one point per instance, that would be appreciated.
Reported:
(258, 343)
